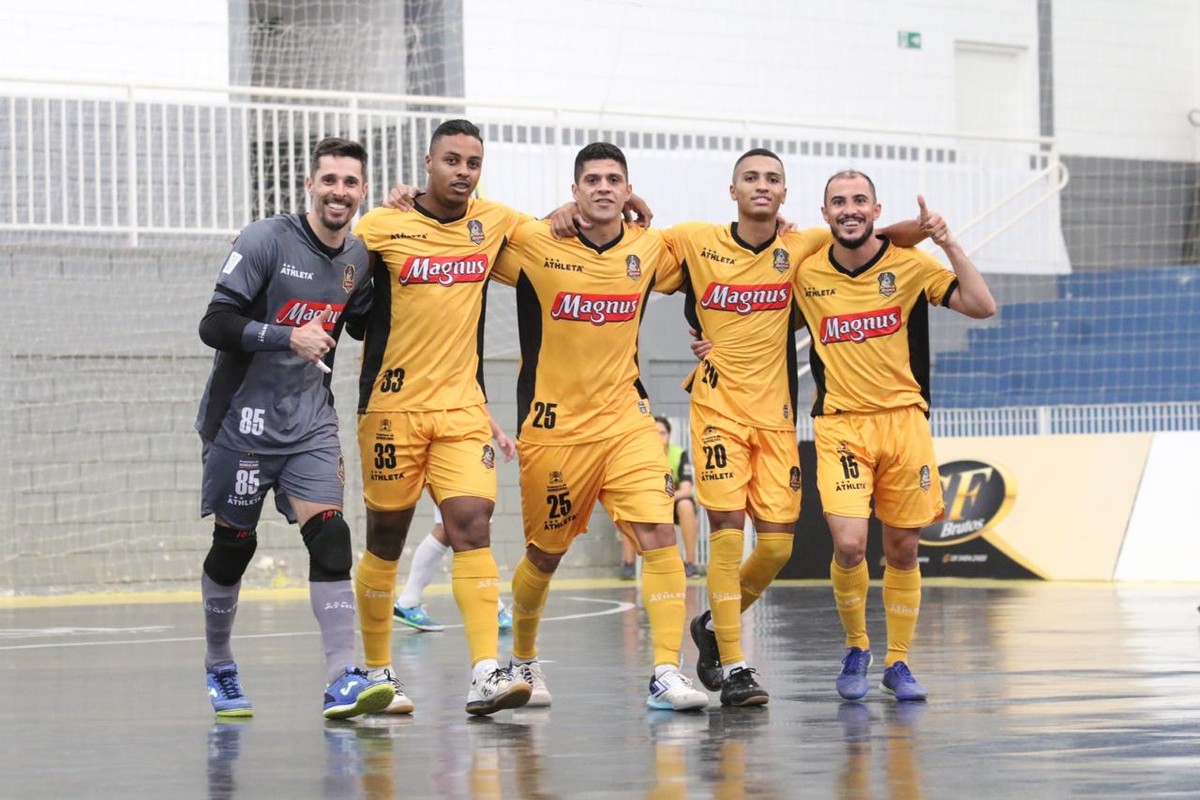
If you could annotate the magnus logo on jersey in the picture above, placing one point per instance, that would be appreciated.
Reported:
(444, 270)
(977, 495)
(598, 309)
(860, 327)
(301, 312)
(747, 299)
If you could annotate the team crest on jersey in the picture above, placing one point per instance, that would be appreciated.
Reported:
(556, 481)
(385, 425)
(489, 457)
(348, 279)
(794, 479)
(642, 407)
(887, 284)
(781, 259)
(633, 267)
(342, 469)
(475, 229)
(926, 481)
(670, 485)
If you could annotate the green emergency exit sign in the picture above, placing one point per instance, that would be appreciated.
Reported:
(909, 40)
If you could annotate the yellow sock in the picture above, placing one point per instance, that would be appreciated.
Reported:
(529, 589)
(724, 594)
(663, 590)
(476, 582)
(374, 591)
(850, 595)
(902, 604)
(768, 557)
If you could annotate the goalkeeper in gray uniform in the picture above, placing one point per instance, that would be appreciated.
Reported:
(284, 294)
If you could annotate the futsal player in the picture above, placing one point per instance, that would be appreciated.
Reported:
(267, 420)
(866, 303)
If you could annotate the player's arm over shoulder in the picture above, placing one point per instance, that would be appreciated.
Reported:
(513, 255)
(806, 242)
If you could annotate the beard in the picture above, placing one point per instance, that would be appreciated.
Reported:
(854, 244)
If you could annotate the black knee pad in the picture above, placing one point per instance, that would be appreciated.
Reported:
(327, 537)
(229, 555)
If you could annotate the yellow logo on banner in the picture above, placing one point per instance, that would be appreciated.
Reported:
(977, 495)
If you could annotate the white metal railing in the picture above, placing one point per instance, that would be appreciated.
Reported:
(133, 160)
(1055, 420)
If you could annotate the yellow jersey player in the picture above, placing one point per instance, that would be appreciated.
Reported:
(866, 304)
(422, 414)
(585, 430)
(743, 404)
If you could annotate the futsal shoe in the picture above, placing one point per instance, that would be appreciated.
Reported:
(852, 683)
(225, 691)
(708, 665)
(416, 617)
(672, 691)
(740, 689)
(496, 691)
(354, 693)
(400, 704)
(531, 673)
(899, 682)
(504, 618)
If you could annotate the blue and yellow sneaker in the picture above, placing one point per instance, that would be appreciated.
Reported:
(504, 617)
(225, 691)
(416, 617)
(355, 693)
(898, 681)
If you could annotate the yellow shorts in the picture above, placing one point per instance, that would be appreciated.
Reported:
(402, 451)
(888, 454)
(560, 485)
(740, 467)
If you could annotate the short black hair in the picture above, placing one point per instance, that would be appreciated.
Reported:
(338, 148)
(757, 151)
(600, 151)
(664, 421)
(455, 127)
(848, 173)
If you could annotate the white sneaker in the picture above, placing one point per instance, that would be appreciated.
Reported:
(531, 673)
(400, 703)
(674, 692)
(497, 691)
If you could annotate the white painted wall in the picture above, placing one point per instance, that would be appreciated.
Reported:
(133, 41)
(1162, 542)
(1126, 75)
(777, 59)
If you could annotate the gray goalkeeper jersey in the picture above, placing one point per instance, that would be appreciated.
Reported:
(263, 398)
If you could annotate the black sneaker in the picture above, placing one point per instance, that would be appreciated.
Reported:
(741, 689)
(708, 665)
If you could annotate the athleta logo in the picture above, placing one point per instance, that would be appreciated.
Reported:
(301, 312)
(597, 309)
(860, 327)
(444, 270)
(744, 300)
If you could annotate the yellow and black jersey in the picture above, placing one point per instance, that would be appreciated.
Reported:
(424, 340)
(739, 297)
(579, 308)
(870, 328)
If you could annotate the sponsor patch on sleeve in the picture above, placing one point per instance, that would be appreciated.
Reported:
(231, 262)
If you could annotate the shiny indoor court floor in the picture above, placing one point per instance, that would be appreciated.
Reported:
(1036, 690)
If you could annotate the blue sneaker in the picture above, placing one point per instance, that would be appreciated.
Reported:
(504, 618)
(852, 683)
(225, 691)
(899, 682)
(354, 693)
(416, 617)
